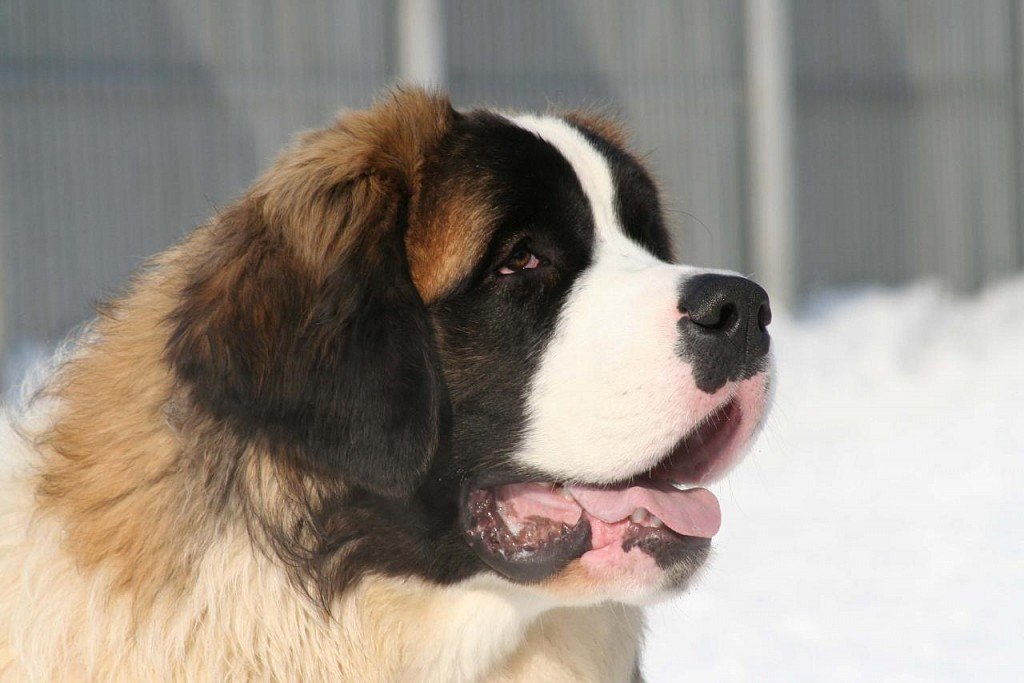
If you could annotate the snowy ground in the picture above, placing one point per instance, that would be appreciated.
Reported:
(876, 532)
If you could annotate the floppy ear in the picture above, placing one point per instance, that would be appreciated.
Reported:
(300, 327)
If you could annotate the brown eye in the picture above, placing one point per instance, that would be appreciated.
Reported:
(521, 259)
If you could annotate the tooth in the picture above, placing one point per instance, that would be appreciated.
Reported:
(507, 514)
(639, 516)
(655, 522)
(564, 493)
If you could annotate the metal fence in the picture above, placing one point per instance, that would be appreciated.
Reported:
(909, 140)
(124, 123)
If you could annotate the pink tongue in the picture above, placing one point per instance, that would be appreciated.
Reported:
(694, 512)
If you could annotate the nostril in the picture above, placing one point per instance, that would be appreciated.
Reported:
(727, 317)
(764, 316)
(714, 318)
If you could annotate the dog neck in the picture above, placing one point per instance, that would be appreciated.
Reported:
(134, 576)
(242, 616)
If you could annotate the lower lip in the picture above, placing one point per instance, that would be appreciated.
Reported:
(606, 550)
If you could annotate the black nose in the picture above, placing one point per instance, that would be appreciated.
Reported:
(724, 328)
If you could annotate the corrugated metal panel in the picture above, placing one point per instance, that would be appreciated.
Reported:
(907, 141)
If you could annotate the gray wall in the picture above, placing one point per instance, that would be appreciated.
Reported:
(908, 140)
(124, 123)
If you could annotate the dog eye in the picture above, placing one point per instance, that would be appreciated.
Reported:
(521, 259)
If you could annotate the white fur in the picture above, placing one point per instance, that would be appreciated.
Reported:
(611, 396)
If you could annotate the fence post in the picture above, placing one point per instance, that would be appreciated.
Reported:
(769, 107)
(4, 341)
(420, 42)
(1017, 43)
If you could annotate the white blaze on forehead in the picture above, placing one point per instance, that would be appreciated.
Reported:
(595, 177)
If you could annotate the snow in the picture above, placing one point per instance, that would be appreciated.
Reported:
(876, 530)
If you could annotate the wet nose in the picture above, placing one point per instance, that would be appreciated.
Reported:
(724, 328)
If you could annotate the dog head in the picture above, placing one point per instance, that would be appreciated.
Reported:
(455, 344)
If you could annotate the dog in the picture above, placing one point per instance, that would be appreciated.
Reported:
(429, 402)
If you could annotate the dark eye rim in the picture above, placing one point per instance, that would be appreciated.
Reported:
(534, 260)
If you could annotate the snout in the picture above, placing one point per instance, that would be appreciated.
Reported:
(723, 331)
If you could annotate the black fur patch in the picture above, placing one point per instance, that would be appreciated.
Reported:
(342, 375)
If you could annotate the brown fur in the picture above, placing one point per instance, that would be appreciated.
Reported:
(605, 125)
(458, 212)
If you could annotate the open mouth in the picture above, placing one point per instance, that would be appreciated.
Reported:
(530, 530)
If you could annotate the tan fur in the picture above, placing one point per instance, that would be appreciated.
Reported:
(459, 214)
(115, 561)
(111, 466)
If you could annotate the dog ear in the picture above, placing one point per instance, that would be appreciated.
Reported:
(300, 328)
